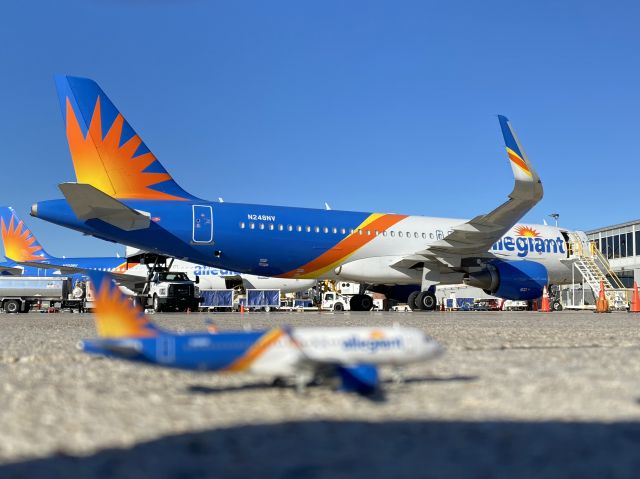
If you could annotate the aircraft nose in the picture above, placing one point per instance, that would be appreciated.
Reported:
(34, 210)
(432, 348)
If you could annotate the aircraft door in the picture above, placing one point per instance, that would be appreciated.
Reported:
(166, 352)
(202, 224)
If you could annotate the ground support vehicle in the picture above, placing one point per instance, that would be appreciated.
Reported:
(261, 299)
(332, 301)
(168, 291)
(216, 299)
(19, 294)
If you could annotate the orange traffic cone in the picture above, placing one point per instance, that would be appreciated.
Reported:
(545, 308)
(602, 305)
(635, 299)
(241, 308)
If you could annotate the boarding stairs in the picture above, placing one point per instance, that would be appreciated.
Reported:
(595, 269)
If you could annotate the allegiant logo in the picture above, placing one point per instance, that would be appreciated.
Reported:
(372, 345)
(525, 245)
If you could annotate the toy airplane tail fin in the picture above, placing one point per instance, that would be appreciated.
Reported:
(116, 316)
(18, 241)
(107, 153)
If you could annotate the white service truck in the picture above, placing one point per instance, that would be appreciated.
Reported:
(170, 291)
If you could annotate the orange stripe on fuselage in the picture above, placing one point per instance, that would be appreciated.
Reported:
(346, 247)
(513, 156)
(260, 346)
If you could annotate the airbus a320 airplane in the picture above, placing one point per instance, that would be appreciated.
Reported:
(306, 354)
(124, 194)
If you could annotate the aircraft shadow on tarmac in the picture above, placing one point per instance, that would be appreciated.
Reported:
(378, 396)
(363, 449)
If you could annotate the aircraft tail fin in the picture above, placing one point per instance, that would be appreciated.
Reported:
(106, 151)
(18, 241)
(116, 316)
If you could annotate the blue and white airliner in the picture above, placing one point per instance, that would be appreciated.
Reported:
(124, 194)
(353, 354)
(24, 255)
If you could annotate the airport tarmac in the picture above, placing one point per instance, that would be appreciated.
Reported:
(516, 395)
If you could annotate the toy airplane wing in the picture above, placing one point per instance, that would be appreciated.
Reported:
(88, 202)
(477, 235)
(358, 378)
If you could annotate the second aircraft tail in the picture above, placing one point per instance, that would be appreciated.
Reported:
(17, 240)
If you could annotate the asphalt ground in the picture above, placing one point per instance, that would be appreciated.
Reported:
(516, 395)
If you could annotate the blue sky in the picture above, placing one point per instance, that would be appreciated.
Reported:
(373, 106)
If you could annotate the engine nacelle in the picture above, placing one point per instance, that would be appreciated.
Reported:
(377, 270)
(516, 280)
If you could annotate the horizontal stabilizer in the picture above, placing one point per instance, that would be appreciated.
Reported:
(88, 202)
(361, 379)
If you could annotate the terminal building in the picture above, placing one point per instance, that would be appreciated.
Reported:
(620, 244)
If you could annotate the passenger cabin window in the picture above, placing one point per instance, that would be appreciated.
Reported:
(308, 229)
(280, 227)
(384, 233)
(351, 231)
(299, 229)
(289, 227)
(424, 235)
(376, 232)
(325, 229)
(316, 229)
(343, 231)
(392, 233)
(242, 225)
(252, 226)
(359, 232)
(261, 226)
(416, 235)
(334, 230)
(271, 226)
(399, 234)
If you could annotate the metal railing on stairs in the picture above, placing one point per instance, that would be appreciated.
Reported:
(595, 269)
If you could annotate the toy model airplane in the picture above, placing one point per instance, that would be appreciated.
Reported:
(306, 354)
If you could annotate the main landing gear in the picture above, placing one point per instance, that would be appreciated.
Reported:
(422, 300)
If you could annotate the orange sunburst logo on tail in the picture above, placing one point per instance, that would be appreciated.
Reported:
(527, 231)
(18, 242)
(112, 168)
(116, 318)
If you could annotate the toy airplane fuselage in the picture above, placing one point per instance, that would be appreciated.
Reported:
(351, 353)
(277, 351)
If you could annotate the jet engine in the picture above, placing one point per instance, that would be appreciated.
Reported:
(516, 280)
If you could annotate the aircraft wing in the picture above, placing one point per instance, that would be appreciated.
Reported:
(121, 278)
(12, 270)
(88, 202)
(479, 234)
